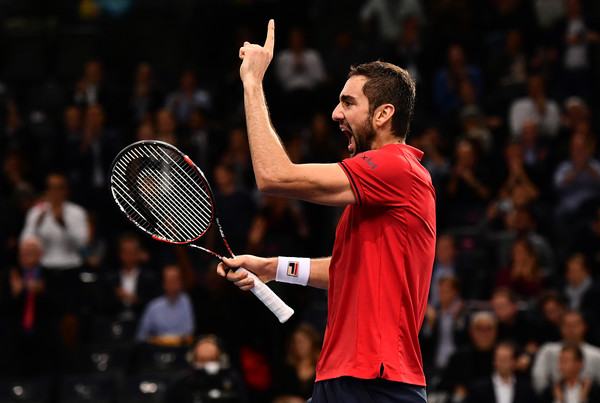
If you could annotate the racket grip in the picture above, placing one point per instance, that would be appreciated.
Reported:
(269, 298)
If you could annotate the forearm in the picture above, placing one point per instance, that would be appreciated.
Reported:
(269, 157)
(319, 273)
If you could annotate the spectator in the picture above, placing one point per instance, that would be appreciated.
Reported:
(519, 222)
(131, 286)
(145, 95)
(168, 320)
(535, 107)
(24, 297)
(504, 386)
(508, 67)
(294, 383)
(91, 157)
(390, 16)
(546, 371)
(443, 266)
(301, 73)
(187, 97)
(210, 375)
(513, 324)
(548, 315)
(577, 181)
(572, 385)
(166, 127)
(467, 188)
(586, 240)
(434, 159)
(474, 360)
(523, 275)
(443, 329)
(580, 290)
(61, 225)
(448, 80)
(574, 36)
(90, 88)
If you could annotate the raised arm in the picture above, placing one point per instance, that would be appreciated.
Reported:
(275, 173)
(266, 270)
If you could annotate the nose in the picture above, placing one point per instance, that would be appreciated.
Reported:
(337, 114)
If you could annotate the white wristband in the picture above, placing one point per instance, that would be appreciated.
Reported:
(293, 270)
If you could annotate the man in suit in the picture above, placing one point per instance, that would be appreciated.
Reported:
(132, 286)
(502, 386)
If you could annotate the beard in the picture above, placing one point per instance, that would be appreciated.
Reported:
(364, 135)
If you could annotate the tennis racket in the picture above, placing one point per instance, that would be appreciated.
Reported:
(165, 195)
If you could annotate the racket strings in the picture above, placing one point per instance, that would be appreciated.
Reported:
(162, 193)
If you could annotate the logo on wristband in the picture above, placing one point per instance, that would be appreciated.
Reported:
(292, 269)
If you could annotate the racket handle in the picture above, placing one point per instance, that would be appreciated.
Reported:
(269, 298)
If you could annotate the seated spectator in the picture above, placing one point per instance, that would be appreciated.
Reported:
(523, 275)
(572, 386)
(504, 385)
(580, 290)
(547, 318)
(577, 182)
(443, 329)
(519, 223)
(574, 35)
(210, 377)
(513, 324)
(187, 97)
(91, 89)
(130, 286)
(546, 371)
(474, 360)
(294, 382)
(23, 296)
(444, 265)
(467, 188)
(144, 94)
(535, 107)
(586, 240)
(300, 72)
(448, 80)
(434, 159)
(168, 320)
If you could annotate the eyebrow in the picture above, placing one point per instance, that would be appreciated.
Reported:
(346, 98)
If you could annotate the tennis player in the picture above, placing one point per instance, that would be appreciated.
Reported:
(379, 273)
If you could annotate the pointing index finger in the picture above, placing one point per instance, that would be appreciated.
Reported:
(270, 41)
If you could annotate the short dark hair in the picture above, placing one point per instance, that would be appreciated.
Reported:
(388, 84)
(574, 348)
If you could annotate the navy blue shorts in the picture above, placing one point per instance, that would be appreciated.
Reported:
(349, 390)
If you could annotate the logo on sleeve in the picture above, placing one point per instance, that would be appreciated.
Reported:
(369, 161)
(292, 269)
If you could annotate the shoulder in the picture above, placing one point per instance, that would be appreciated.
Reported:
(74, 208)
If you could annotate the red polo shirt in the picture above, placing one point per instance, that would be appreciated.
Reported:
(381, 269)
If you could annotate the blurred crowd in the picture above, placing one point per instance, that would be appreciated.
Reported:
(508, 95)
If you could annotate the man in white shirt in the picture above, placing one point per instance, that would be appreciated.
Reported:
(62, 226)
(546, 371)
(503, 386)
(535, 107)
(572, 387)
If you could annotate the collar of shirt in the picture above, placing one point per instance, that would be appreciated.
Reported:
(504, 391)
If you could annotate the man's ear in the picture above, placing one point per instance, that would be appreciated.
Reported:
(383, 115)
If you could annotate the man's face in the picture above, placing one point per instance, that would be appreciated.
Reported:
(568, 364)
(504, 360)
(352, 113)
(573, 328)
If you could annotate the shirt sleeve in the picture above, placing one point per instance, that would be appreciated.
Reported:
(379, 178)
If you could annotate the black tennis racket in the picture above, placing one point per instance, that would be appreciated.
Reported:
(165, 195)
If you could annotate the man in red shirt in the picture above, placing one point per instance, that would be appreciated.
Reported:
(379, 273)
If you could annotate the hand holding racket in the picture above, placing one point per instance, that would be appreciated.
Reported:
(165, 195)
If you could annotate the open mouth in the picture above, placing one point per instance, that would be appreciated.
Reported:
(351, 142)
